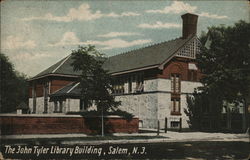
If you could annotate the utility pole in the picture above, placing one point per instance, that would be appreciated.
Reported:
(102, 123)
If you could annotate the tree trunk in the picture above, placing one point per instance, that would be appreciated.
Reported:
(245, 117)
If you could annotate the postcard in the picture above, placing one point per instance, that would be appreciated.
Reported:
(118, 79)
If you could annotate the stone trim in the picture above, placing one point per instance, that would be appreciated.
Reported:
(149, 92)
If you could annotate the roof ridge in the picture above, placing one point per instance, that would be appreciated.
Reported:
(73, 87)
(61, 63)
(150, 45)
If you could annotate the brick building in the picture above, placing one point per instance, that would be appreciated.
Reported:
(151, 82)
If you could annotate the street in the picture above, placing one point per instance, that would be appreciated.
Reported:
(167, 150)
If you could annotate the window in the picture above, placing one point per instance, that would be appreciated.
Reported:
(175, 83)
(175, 106)
(174, 124)
(139, 83)
(192, 75)
(118, 85)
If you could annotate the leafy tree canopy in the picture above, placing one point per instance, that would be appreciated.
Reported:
(225, 64)
(225, 61)
(13, 86)
(94, 80)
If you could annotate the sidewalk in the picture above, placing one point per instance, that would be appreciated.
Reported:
(133, 138)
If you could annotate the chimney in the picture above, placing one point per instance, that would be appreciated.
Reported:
(189, 24)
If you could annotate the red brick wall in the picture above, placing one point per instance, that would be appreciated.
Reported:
(30, 91)
(58, 84)
(180, 66)
(54, 86)
(39, 90)
(14, 125)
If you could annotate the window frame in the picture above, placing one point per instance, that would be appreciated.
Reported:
(175, 110)
(173, 79)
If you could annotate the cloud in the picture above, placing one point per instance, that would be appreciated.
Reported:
(69, 38)
(112, 14)
(214, 16)
(15, 42)
(159, 25)
(118, 43)
(82, 13)
(117, 34)
(179, 7)
(176, 7)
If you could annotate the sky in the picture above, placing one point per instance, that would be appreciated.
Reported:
(35, 34)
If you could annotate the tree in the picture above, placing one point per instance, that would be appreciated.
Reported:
(225, 62)
(95, 82)
(193, 111)
(96, 86)
(13, 86)
(204, 111)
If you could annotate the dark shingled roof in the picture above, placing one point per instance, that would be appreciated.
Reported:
(148, 56)
(61, 67)
(72, 89)
(143, 57)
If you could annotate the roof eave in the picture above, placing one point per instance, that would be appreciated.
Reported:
(47, 75)
(134, 70)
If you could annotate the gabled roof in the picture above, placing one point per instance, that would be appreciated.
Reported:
(145, 57)
(62, 67)
(151, 56)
